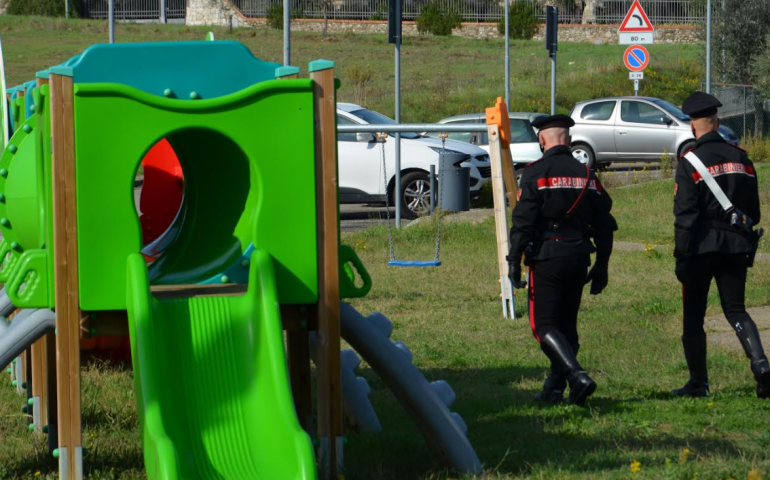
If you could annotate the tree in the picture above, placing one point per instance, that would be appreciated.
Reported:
(761, 68)
(738, 37)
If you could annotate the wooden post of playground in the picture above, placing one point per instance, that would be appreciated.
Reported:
(503, 180)
(68, 314)
(48, 401)
(297, 339)
(327, 217)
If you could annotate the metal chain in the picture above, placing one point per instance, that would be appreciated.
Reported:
(383, 136)
(440, 195)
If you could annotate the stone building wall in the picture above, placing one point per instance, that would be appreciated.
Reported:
(221, 12)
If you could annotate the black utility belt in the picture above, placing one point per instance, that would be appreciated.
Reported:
(718, 225)
(563, 235)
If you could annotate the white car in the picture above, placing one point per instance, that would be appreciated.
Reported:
(362, 179)
(525, 147)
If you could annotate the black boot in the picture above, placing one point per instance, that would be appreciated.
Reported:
(749, 337)
(565, 364)
(695, 354)
(553, 388)
(555, 384)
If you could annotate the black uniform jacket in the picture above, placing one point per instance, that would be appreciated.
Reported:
(549, 188)
(701, 224)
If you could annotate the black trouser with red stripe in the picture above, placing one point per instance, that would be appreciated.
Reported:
(555, 290)
(730, 274)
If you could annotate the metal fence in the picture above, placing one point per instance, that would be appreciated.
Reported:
(744, 109)
(135, 9)
(570, 11)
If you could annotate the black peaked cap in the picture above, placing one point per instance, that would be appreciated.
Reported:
(700, 104)
(551, 121)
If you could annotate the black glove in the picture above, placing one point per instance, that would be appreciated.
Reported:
(683, 268)
(514, 273)
(598, 278)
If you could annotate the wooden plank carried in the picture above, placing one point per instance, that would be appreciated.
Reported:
(327, 221)
(503, 184)
(65, 253)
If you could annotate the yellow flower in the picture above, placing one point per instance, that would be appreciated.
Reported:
(636, 467)
(684, 455)
(755, 474)
(710, 404)
(37, 474)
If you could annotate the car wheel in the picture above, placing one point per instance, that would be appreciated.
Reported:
(584, 154)
(415, 195)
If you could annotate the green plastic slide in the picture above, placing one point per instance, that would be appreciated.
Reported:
(212, 383)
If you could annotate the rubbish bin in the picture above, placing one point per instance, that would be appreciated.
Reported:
(454, 183)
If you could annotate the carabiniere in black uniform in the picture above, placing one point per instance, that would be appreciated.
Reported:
(712, 243)
(561, 206)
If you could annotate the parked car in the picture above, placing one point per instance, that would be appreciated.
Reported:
(631, 129)
(524, 145)
(360, 163)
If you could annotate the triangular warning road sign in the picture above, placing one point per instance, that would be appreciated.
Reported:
(636, 20)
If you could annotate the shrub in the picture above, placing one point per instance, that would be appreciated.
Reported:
(522, 21)
(435, 20)
(275, 16)
(47, 8)
(757, 147)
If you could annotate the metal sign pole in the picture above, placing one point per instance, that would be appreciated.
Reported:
(66, 8)
(636, 87)
(286, 33)
(507, 54)
(111, 16)
(397, 185)
(708, 46)
(162, 11)
(553, 84)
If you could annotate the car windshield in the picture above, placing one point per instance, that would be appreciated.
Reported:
(375, 118)
(675, 111)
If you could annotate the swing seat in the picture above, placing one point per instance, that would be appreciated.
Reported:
(414, 263)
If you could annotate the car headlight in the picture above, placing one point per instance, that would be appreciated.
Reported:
(444, 150)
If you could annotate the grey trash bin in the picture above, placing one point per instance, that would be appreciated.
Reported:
(454, 182)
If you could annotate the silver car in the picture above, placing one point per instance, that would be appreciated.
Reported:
(524, 145)
(631, 129)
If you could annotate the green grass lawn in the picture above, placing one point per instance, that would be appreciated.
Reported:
(450, 318)
(440, 76)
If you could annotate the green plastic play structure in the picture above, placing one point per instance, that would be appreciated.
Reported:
(210, 372)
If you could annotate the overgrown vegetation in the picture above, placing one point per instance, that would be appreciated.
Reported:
(275, 16)
(435, 19)
(757, 147)
(522, 23)
(46, 8)
(359, 79)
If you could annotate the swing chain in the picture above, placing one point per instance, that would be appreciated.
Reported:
(443, 136)
(382, 137)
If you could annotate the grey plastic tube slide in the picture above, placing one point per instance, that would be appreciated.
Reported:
(6, 307)
(437, 424)
(23, 332)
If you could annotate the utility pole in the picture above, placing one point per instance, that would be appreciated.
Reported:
(111, 15)
(286, 33)
(507, 54)
(708, 46)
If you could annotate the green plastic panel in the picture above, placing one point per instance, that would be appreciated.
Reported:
(171, 68)
(211, 379)
(248, 161)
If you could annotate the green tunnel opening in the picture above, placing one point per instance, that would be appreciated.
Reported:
(202, 240)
